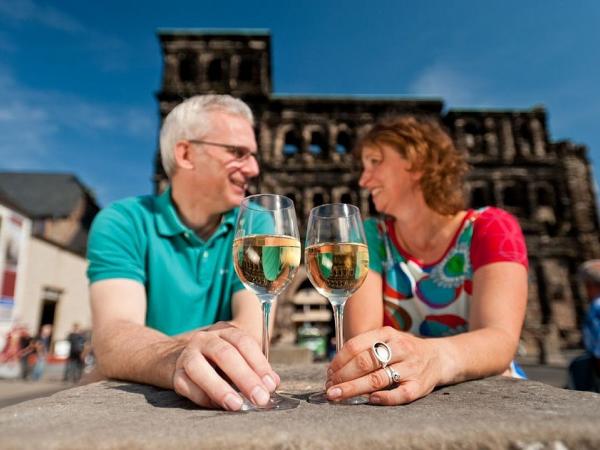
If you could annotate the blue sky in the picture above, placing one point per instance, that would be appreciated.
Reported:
(77, 79)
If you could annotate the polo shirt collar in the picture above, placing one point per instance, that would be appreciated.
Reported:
(169, 224)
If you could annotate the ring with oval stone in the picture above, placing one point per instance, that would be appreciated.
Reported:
(382, 353)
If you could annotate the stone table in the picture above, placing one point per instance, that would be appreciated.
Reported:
(492, 413)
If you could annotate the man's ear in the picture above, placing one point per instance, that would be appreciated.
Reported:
(183, 155)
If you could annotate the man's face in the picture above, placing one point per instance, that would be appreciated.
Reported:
(222, 179)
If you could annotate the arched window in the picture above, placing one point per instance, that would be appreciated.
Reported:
(479, 197)
(291, 145)
(545, 196)
(247, 70)
(473, 137)
(347, 198)
(343, 143)
(525, 138)
(513, 196)
(317, 143)
(215, 70)
(188, 68)
(318, 199)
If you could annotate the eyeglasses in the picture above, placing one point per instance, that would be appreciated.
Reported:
(239, 153)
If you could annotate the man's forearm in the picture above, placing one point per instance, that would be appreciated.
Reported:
(133, 352)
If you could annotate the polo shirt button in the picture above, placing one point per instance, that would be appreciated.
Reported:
(186, 235)
(205, 255)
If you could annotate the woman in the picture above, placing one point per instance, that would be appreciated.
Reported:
(437, 271)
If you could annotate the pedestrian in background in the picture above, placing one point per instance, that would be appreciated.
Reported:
(584, 371)
(74, 367)
(25, 351)
(41, 347)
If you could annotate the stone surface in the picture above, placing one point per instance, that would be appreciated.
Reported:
(492, 413)
(17, 391)
(289, 354)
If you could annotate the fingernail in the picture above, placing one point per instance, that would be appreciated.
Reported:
(276, 378)
(375, 399)
(269, 383)
(233, 402)
(334, 393)
(259, 396)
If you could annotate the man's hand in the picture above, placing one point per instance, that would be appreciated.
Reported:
(216, 360)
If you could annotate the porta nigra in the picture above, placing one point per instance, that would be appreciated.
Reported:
(306, 153)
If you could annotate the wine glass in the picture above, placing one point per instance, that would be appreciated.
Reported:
(337, 262)
(266, 256)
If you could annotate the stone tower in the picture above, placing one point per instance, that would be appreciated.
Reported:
(305, 153)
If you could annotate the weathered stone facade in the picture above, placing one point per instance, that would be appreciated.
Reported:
(305, 153)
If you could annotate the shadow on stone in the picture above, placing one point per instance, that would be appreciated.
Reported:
(163, 398)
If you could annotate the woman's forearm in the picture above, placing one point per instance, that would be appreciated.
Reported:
(475, 354)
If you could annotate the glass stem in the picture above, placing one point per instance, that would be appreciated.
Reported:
(338, 315)
(265, 303)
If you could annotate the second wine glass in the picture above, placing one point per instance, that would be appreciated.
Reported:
(266, 256)
(337, 262)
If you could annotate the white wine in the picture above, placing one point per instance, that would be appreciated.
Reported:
(266, 264)
(337, 269)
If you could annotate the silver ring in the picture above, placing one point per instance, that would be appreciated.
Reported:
(382, 353)
(392, 375)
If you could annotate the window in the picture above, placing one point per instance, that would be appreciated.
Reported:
(347, 198)
(473, 137)
(215, 70)
(247, 71)
(291, 144)
(318, 199)
(343, 143)
(525, 138)
(479, 197)
(188, 68)
(545, 196)
(317, 143)
(514, 198)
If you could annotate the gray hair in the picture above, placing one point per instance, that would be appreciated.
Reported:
(589, 272)
(191, 120)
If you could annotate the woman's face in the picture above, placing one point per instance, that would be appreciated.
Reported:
(386, 176)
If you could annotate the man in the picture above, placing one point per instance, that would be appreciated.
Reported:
(74, 366)
(584, 371)
(25, 350)
(42, 344)
(167, 306)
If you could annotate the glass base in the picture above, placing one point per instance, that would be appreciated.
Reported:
(321, 397)
(276, 402)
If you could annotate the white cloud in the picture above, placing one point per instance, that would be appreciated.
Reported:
(29, 11)
(112, 53)
(35, 124)
(457, 89)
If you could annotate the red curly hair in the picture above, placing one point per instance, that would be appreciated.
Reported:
(429, 150)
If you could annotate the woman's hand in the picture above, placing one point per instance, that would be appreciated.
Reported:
(356, 371)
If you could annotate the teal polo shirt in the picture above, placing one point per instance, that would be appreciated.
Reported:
(189, 282)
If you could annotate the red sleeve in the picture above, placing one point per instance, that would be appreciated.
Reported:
(497, 237)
